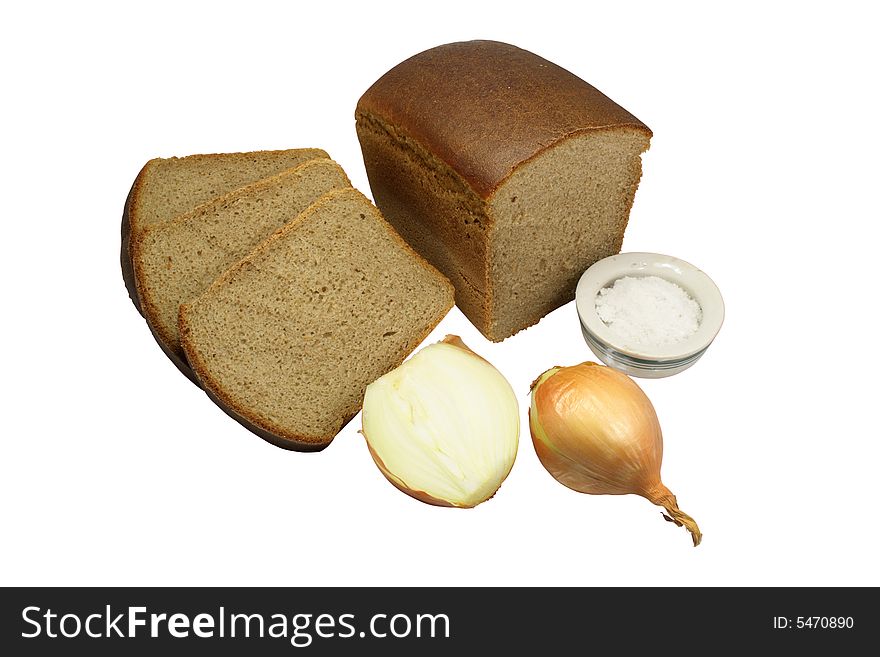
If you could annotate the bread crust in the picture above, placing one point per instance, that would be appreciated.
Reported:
(448, 99)
(130, 278)
(473, 111)
(273, 433)
(424, 218)
(125, 251)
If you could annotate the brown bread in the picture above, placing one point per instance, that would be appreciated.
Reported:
(176, 260)
(168, 187)
(287, 340)
(508, 173)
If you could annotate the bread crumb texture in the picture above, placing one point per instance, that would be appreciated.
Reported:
(168, 187)
(290, 337)
(555, 216)
(177, 260)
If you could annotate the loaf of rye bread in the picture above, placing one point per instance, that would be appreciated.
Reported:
(287, 340)
(176, 260)
(508, 173)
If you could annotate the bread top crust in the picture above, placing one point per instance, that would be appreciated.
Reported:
(485, 107)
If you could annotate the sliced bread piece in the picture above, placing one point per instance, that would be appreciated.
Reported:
(175, 261)
(168, 187)
(287, 340)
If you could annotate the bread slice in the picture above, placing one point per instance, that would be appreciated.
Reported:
(508, 173)
(175, 261)
(168, 187)
(287, 340)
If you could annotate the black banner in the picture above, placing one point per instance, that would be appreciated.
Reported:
(318, 621)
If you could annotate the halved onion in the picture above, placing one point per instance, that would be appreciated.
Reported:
(444, 426)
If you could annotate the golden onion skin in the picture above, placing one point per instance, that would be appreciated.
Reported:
(596, 432)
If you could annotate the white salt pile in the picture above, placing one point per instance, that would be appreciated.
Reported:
(648, 310)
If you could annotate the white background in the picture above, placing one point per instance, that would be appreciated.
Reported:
(763, 172)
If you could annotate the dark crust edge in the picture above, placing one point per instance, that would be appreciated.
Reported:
(125, 260)
(128, 276)
(269, 432)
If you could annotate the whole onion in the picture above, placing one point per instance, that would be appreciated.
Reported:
(596, 432)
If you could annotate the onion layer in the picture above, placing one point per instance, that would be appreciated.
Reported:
(596, 431)
(444, 426)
